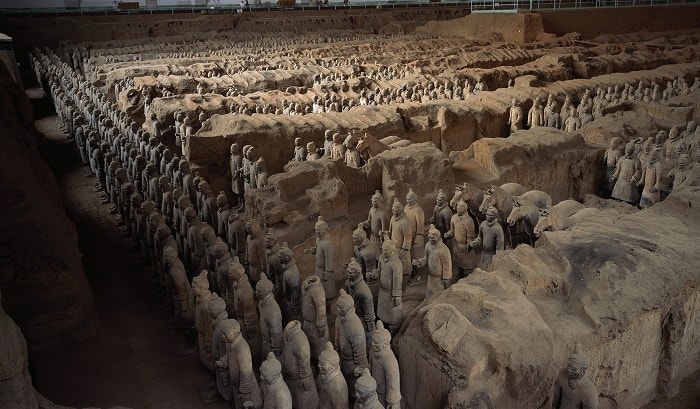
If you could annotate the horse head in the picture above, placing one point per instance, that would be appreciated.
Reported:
(544, 222)
(489, 199)
(516, 213)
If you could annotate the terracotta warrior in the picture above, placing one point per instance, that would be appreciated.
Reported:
(236, 167)
(270, 318)
(682, 174)
(275, 392)
(324, 259)
(350, 339)
(299, 151)
(236, 236)
(439, 262)
(401, 234)
(442, 214)
(573, 389)
(515, 116)
(390, 281)
(416, 217)
(651, 180)
(490, 237)
(462, 231)
(385, 369)
(314, 314)
(365, 253)
(296, 366)
(291, 285)
(366, 392)
(332, 388)
(627, 171)
(239, 363)
(202, 318)
(274, 265)
(217, 310)
(245, 307)
(257, 258)
(362, 296)
(378, 219)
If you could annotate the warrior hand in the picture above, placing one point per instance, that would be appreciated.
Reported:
(612, 179)
(448, 235)
(305, 385)
(219, 364)
(445, 283)
(358, 371)
(402, 252)
(415, 262)
(327, 275)
(397, 301)
(321, 332)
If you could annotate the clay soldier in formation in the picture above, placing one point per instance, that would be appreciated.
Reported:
(535, 117)
(573, 123)
(274, 265)
(365, 253)
(222, 215)
(462, 230)
(291, 285)
(275, 392)
(610, 158)
(257, 258)
(366, 392)
(573, 389)
(195, 240)
(332, 388)
(490, 237)
(236, 236)
(385, 369)
(261, 173)
(350, 338)
(202, 318)
(183, 299)
(352, 156)
(239, 363)
(236, 165)
(362, 296)
(416, 217)
(515, 116)
(625, 177)
(338, 149)
(401, 234)
(390, 292)
(324, 259)
(682, 174)
(313, 306)
(378, 219)
(439, 262)
(442, 214)
(312, 154)
(296, 365)
(299, 151)
(217, 310)
(651, 180)
(270, 318)
(245, 308)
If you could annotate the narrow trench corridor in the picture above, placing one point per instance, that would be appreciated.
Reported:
(133, 360)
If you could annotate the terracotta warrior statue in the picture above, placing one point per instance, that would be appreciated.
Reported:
(439, 262)
(362, 296)
(416, 217)
(378, 219)
(314, 314)
(332, 388)
(651, 180)
(385, 369)
(275, 392)
(217, 310)
(401, 234)
(239, 363)
(236, 166)
(270, 318)
(257, 258)
(245, 308)
(573, 389)
(390, 291)
(291, 285)
(296, 365)
(350, 339)
(365, 253)
(366, 392)
(202, 318)
(490, 237)
(324, 259)
(515, 116)
(627, 171)
(462, 232)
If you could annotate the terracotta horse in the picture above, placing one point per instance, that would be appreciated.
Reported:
(526, 208)
(501, 197)
(557, 217)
